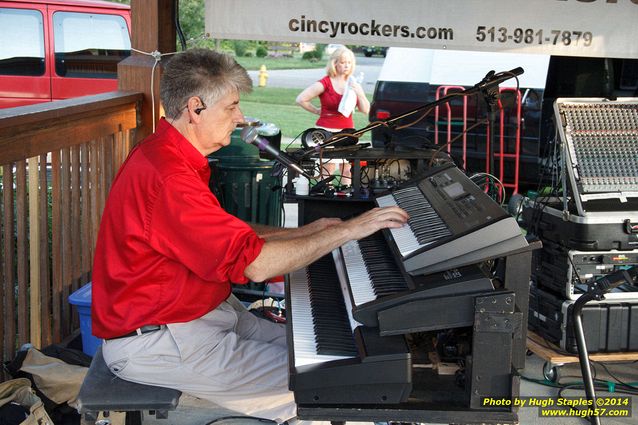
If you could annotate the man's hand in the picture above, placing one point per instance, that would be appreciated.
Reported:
(376, 219)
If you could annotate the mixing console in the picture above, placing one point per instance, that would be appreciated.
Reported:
(602, 143)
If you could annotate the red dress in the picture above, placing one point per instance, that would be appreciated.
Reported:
(330, 116)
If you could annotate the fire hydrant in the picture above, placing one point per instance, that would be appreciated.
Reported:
(263, 76)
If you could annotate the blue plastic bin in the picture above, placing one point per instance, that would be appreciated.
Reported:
(82, 300)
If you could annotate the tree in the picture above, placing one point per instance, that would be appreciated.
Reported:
(191, 18)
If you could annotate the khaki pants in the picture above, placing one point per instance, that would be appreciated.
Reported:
(228, 356)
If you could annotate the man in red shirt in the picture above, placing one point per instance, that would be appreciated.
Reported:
(167, 253)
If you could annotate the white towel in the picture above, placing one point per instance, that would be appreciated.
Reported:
(349, 99)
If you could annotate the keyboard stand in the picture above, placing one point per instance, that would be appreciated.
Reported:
(500, 321)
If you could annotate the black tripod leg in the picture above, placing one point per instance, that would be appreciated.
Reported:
(583, 356)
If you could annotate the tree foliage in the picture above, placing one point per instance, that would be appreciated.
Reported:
(191, 16)
(191, 19)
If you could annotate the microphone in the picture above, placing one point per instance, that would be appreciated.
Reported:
(250, 135)
(492, 79)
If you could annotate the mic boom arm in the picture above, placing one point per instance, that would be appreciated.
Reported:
(490, 80)
(250, 135)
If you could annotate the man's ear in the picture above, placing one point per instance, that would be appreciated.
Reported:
(194, 108)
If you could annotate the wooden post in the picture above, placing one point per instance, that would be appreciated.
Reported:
(152, 29)
(35, 308)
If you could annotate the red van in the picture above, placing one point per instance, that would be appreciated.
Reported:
(51, 50)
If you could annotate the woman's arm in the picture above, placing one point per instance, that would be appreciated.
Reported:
(305, 97)
(363, 104)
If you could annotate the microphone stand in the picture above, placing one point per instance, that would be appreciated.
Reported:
(602, 286)
(490, 82)
(583, 355)
(491, 95)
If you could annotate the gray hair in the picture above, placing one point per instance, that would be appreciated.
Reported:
(204, 73)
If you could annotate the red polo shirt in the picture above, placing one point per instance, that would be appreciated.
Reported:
(166, 251)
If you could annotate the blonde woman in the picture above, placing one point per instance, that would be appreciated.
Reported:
(330, 90)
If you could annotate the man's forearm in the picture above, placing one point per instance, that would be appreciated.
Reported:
(270, 233)
(283, 255)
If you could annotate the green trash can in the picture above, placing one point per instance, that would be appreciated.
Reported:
(245, 190)
(242, 181)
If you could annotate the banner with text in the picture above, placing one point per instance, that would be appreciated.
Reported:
(598, 28)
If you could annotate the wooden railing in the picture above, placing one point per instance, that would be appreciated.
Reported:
(57, 162)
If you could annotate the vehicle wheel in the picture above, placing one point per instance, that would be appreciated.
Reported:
(551, 373)
(367, 54)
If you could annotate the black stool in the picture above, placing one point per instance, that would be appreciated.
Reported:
(102, 391)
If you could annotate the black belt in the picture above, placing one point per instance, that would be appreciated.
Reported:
(141, 330)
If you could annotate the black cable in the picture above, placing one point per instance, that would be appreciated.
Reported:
(574, 273)
(618, 380)
(263, 294)
(283, 210)
(458, 136)
(548, 344)
(363, 172)
(598, 387)
(601, 386)
(542, 201)
(553, 158)
(223, 418)
(178, 27)
(293, 140)
(495, 188)
(543, 382)
(426, 143)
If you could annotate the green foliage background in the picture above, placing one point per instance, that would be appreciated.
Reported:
(268, 104)
(277, 105)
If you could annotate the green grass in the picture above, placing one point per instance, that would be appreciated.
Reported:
(254, 63)
(277, 106)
